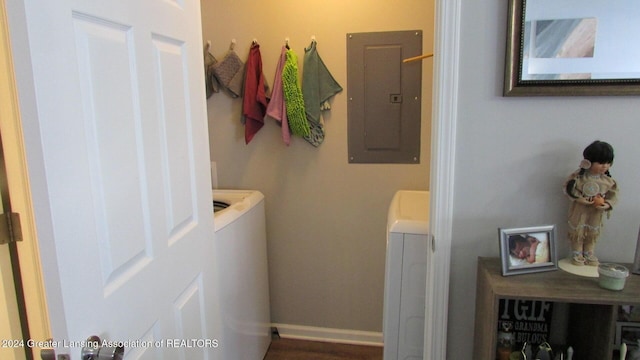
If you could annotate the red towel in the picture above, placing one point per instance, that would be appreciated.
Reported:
(254, 100)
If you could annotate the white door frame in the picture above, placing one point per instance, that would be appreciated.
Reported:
(445, 103)
(14, 153)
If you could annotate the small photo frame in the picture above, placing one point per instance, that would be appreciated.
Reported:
(528, 250)
(627, 333)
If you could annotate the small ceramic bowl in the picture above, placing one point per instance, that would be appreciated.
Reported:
(612, 276)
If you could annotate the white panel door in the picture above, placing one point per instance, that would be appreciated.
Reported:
(120, 171)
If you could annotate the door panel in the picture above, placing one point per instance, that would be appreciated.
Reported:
(189, 310)
(115, 172)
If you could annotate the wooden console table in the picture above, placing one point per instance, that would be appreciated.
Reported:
(592, 310)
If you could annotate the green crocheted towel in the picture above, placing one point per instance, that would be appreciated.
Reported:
(294, 102)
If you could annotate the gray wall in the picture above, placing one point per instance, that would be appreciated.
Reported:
(326, 219)
(512, 155)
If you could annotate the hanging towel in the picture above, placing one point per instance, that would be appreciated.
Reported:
(318, 86)
(210, 82)
(294, 100)
(276, 108)
(254, 98)
(229, 72)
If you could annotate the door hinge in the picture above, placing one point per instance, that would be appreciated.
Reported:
(10, 230)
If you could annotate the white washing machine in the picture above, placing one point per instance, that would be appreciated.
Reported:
(405, 275)
(241, 265)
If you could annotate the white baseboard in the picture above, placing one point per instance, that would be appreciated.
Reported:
(355, 337)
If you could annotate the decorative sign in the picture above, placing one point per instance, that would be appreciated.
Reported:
(529, 320)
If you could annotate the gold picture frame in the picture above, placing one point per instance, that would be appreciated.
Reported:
(515, 84)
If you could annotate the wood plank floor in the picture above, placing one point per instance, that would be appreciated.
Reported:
(288, 349)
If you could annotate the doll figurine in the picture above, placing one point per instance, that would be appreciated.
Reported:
(592, 192)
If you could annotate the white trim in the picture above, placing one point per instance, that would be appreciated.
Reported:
(342, 336)
(445, 103)
(20, 194)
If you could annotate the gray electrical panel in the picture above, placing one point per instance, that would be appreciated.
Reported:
(384, 97)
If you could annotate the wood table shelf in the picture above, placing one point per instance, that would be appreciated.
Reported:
(593, 310)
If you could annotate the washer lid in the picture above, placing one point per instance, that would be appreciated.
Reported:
(409, 212)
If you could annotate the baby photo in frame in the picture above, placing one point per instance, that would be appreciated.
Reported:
(528, 250)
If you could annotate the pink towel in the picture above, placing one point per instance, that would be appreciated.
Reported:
(276, 108)
(254, 99)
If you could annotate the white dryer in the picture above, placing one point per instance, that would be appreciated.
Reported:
(405, 275)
